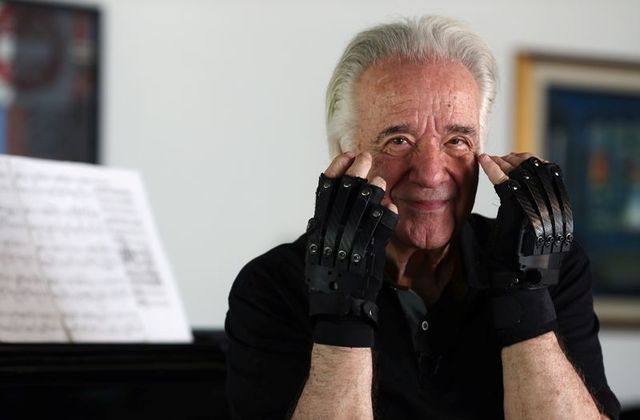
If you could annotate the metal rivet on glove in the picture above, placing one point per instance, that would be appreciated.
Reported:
(326, 185)
(370, 309)
(536, 162)
(539, 240)
(424, 325)
(328, 251)
(313, 248)
(346, 184)
(366, 192)
(376, 213)
(333, 285)
(569, 237)
(356, 258)
(342, 254)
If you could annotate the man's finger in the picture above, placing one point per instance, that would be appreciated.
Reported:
(492, 169)
(386, 201)
(361, 165)
(340, 164)
(378, 181)
(522, 154)
(527, 155)
(516, 159)
(503, 164)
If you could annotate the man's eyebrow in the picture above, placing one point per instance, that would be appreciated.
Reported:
(394, 129)
(460, 129)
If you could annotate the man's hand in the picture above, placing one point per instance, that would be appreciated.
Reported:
(534, 228)
(539, 381)
(345, 253)
(340, 377)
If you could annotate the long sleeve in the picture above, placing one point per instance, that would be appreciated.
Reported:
(269, 335)
(578, 327)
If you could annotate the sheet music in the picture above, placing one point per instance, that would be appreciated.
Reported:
(94, 251)
(27, 310)
(130, 223)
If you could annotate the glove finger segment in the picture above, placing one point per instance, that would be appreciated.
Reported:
(381, 237)
(379, 242)
(363, 238)
(358, 208)
(535, 196)
(542, 169)
(324, 193)
(567, 213)
(512, 190)
(377, 195)
(389, 221)
(545, 198)
(346, 187)
(380, 196)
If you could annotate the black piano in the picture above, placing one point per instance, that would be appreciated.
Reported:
(114, 381)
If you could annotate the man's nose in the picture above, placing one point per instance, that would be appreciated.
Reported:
(428, 165)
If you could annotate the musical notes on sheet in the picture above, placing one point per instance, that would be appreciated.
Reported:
(80, 257)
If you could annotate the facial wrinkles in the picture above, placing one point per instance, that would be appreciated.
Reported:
(396, 96)
(439, 109)
(429, 149)
(427, 99)
(426, 177)
(420, 101)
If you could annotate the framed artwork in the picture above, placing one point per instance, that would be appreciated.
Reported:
(49, 80)
(584, 114)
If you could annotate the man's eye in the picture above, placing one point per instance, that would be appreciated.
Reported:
(398, 141)
(459, 142)
(397, 146)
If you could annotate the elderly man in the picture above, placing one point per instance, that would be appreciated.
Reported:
(398, 302)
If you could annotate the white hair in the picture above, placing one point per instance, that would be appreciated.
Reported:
(428, 37)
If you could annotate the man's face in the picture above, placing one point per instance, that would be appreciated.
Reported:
(420, 121)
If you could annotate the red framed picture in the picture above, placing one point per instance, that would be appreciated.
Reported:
(49, 80)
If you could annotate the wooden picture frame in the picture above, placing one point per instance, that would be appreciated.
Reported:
(584, 114)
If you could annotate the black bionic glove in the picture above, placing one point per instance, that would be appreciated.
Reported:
(534, 229)
(345, 259)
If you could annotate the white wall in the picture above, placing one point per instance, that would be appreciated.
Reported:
(220, 105)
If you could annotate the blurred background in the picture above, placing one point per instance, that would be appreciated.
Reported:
(220, 106)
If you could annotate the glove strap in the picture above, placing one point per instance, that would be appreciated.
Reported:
(343, 332)
(521, 314)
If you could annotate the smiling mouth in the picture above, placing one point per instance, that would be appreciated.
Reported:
(427, 205)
